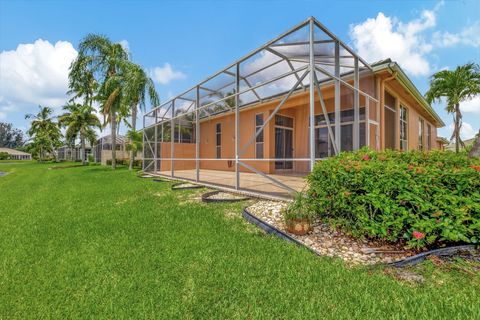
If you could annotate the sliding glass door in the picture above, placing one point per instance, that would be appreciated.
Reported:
(283, 142)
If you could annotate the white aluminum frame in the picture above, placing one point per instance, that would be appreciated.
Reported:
(313, 64)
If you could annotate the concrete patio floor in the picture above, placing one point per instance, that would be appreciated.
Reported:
(250, 183)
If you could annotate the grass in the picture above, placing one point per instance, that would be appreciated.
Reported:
(89, 242)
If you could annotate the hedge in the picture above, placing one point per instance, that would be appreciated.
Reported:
(423, 199)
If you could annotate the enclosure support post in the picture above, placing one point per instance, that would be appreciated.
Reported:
(197, 134)
(312, 98)
(337, 96)
(237, 125)
(356, 106)
(172, 138)
(156, 144)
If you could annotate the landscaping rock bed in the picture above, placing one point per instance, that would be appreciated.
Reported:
(328, 242)
(220, 196)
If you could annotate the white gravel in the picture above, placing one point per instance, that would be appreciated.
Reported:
(329, 242)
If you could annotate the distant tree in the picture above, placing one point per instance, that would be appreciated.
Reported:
(10, 137)
(137, 86)
(105, 60)
(4, 156)
(44, 132)
(461, 84)
(80, 121)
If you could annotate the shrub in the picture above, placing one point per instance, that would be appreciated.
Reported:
(4, 156)
(426, 199)
(91, 158)
(119, 162)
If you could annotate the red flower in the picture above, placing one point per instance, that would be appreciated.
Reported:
(347, 193)
(418, 235)
(476, 168)
(365, 157)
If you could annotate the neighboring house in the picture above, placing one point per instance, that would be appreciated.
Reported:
(442, 143)
(253, 129)
(451, 146)
(66, 153)
(16, 154)
(102, 150)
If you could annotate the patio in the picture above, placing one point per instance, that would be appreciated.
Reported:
(250, 183)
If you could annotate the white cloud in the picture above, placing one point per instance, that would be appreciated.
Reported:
(33, 74)
(387, 37)
(166, 74)
(469, 36)
(466, 132)
(472, 106)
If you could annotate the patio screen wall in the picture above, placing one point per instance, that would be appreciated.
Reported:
(264, 121)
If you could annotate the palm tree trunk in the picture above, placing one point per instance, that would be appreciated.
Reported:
(82, 142)
(134, 128)
(457, 128)
(113, 120)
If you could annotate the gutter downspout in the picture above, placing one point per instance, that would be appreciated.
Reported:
(381, 108)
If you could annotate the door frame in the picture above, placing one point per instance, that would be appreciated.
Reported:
(293, 142)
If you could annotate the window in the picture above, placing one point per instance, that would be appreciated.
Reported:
(429, 137)
(323, 144)
(259, 139)
(403, 128)
(421, 125)
(218, 134)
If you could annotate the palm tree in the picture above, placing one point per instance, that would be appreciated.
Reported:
(79, 121)
(456, 86)
(137, 85)
(105, 60)
(44, 131)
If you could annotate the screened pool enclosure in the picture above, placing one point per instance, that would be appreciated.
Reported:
(260, 124)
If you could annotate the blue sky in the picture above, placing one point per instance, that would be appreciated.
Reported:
(183, 42)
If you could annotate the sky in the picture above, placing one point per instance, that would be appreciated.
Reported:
(183, 42)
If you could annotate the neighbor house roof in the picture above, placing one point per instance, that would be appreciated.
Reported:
(14, 152)
(394, 67)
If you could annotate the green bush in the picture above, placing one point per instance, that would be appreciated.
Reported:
(119, 162)
(424, 199)
(4, 156)
(91, 158)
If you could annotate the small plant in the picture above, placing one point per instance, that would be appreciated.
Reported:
(298, 215)
(91, 158)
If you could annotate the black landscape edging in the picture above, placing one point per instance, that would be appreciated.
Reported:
(410, 261)
(175, 186)
(159, 180)
(448, 251)
(268, 228)
(206, 198)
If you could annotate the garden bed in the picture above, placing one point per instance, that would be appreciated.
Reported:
(323, 240)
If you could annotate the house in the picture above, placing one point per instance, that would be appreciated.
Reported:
(260, 124)
(442, 143)
(67, 153)
(102, 150)
(16, 154)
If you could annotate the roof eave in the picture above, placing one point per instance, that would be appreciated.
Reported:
(408, 84)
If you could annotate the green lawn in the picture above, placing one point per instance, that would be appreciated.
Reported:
(93, 243)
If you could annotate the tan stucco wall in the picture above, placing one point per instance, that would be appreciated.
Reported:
(298, 108)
